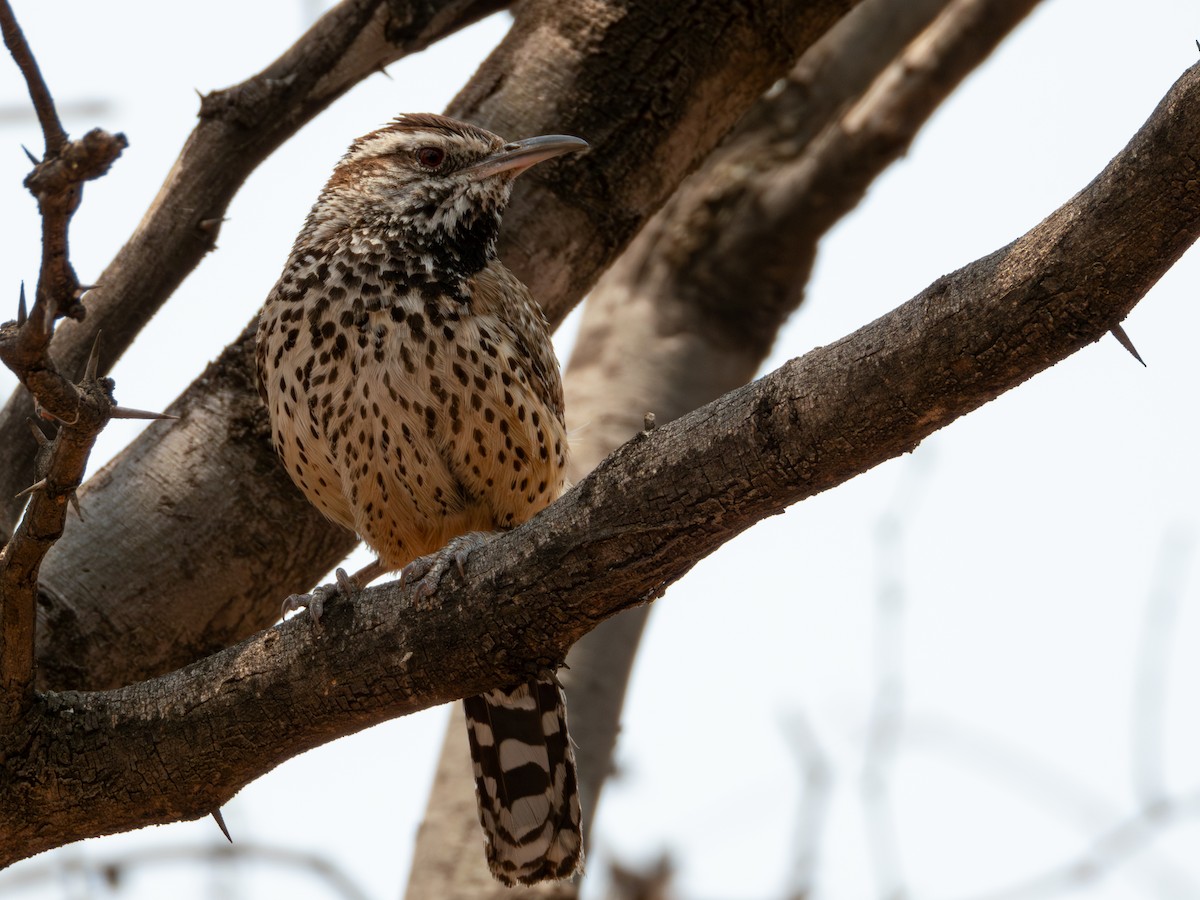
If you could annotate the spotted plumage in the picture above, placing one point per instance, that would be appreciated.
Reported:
(414, 397)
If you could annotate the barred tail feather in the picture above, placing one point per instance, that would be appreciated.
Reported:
(525, 782)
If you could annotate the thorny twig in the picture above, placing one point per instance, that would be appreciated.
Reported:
(82, 409)
(57, 184)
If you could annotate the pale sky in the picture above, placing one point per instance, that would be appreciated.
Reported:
(1018, 550)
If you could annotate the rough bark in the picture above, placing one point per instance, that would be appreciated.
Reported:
(211, 602)
(637, 523)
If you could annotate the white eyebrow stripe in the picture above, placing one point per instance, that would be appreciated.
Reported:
(391, 141)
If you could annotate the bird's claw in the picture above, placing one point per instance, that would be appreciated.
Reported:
(426, 572)
(315, 602)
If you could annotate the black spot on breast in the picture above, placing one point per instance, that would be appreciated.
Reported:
(406, 358)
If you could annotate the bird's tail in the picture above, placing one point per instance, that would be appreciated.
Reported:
(525, 782)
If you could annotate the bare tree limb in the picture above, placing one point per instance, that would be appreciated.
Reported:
(631, 528)
(39, 93)
(65, 459)
(83, 409)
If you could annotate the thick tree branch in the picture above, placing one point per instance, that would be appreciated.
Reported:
(276, 542)
(630, 529)
(239, 127)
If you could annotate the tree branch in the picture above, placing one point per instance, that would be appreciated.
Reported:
(627, 531)
(64, 461)
(39, 93)
(57, 183)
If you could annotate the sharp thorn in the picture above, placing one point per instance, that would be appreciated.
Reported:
(29, 490)
(38, 434)
(385, 73)
(220, 820)
(121, 412)
(22, 311)
(82, 289)
(93, 363)
(75, 505)
(1119, 333)
(29, 153)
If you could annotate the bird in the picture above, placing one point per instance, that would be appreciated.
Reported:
(414, 397)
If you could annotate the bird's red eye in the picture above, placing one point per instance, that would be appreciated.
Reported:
(431, 157)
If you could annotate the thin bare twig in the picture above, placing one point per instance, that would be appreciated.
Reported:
(1111, 849)
(82, 409)
(1061, 794)
(57, 182)
(1148, 725)
(43, 103)
(137, 862)
(62, 462)
(816, 774)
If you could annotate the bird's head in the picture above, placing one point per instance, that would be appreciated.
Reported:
(436, 184)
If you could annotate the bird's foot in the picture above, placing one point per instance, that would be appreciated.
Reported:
(315, 602)
(426, 572)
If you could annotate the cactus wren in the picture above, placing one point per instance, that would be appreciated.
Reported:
(415, 397)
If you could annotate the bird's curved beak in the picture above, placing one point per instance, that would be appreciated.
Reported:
(517, 156)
